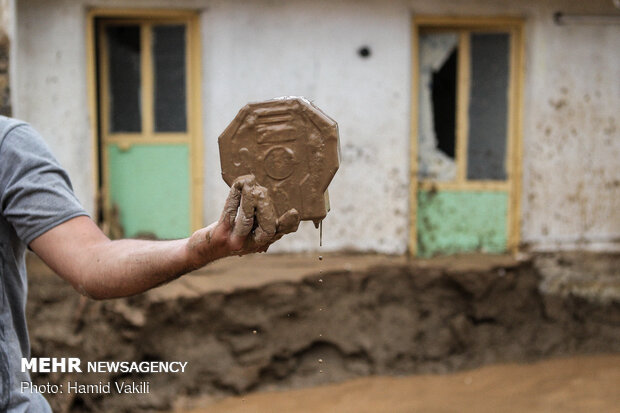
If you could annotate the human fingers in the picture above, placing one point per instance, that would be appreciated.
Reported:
(234, 198)
(288, 222)
(230, 207)
(244, 220)
(265, 217)
(244, 180)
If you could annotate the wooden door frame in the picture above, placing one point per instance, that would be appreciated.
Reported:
(514, 26)
(194, 124)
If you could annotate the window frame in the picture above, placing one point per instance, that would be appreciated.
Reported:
(99, 101)
(464, 26)
(147, 86)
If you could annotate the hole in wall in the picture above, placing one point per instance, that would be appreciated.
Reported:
(364, 52)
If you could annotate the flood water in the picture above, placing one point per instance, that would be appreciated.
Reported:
(578, 384)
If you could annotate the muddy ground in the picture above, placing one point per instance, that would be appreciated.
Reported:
(285, 322)
(568, 385)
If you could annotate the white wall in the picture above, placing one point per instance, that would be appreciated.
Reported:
(51, 85)
(7, 26)
(572, 138)
(263, 49)
(253, 50)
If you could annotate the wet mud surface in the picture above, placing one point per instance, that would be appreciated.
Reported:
(579, 384)
(277, 323)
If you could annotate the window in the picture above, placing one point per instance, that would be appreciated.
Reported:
(143, 77)
(466, 91)
(146, 78)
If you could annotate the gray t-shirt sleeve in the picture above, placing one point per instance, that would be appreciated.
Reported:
(35, 191)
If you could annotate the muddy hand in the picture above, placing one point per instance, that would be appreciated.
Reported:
(287, 223)
(258, 212)
(248, 224)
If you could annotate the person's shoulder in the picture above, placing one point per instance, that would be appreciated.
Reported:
(7, 125)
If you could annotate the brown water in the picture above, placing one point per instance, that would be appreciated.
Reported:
(579, 384)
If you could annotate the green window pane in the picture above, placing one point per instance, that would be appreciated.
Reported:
(450, 222)
(150, 185)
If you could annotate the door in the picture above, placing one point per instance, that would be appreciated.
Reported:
(149, 149)
(465, 136)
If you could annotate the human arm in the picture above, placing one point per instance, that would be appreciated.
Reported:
(80, 253)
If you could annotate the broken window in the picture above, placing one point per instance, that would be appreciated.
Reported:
(444, 105)
(437, 106)
(482, 80)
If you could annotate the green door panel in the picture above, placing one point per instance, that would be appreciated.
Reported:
(450, 222)
(150, 184)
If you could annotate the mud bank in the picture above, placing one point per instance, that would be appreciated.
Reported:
(361, 316)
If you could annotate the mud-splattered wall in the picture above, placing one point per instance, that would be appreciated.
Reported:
(571, 164)
(260, 49)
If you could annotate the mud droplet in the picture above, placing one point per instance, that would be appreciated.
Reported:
(320, 280)
(320, 371)
(320, 335)
(254, 332)
(320, 258)
(320, 360)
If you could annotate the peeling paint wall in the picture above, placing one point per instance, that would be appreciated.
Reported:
(265, 48)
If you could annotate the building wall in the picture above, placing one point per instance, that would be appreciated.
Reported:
(254, 50)
(6, 34)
